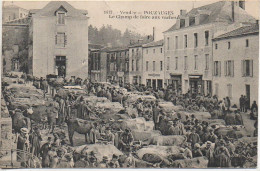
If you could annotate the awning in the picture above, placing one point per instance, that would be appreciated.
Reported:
(194, 76)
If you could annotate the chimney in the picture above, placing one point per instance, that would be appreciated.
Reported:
(242, 4)
(183, 12)
(233, 10)
(154, 35)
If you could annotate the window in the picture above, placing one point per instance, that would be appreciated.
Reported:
(195, 40)
(161, 65)
(133, 62)
(247, 68)
(147, 65)
(153, 65)
(182, 23)
(168, 64)
(168, 43)
(229, 45)
(247, 43)
(61, 18)
(185, 62)
(161, 50)
(153, 50)
(176, 42)
(196, 62)
(21, 15)
(185, 41)
(229, 89)
(146, 51)
(61, 39)
(137, 65)
(216, 46)
(191, 21)
(133, 51)
(206, 61)
(217, 68)
(206, 38)
(126, 66)
(176, 63)
(229, 68)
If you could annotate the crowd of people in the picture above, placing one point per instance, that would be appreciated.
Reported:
(201, 138)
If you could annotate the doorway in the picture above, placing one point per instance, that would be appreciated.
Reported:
(60, 64)
(154, 84)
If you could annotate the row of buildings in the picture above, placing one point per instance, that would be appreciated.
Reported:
(211, 50)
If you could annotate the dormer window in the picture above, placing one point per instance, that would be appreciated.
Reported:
(61, 13)
(61, 18)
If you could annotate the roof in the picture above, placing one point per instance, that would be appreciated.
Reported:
(242, 31)
(95, 46)
(153, 44)
(217, 12)
(51, 7)
(19, 21)
(140, 44)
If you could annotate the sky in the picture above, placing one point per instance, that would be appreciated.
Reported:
(143, 26)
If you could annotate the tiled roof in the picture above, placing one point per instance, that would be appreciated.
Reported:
(245, 30)
(153, 44)
(139, 44)
(52, 6)
(21, 21)
(218, 12)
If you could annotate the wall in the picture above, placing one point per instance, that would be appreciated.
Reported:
(134, 57)
(45, 50)
(237, 52)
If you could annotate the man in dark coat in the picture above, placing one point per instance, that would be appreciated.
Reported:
(156, 115)
(193, 138)
(127, 139)
(44, 152)
(35, 140)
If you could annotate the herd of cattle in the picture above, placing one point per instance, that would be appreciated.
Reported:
(21, 97)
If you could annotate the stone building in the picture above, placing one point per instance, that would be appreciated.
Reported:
(188, 44)
(153, 64)
(13, 12)
(15, 45)
(62, 48)
(236, 64)
(117, 65)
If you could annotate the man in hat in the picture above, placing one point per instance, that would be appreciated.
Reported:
(156, 115)
(52, 156)
(212, 137)
(222, 155)
(127, 139)
(23, 145)
(110, 137)
(208, 152)
(173, 129)
(230, 146)
(129, 161)
(193, 137)
(104, 163)
(187, 154)
(114, 162)
(35, 141)
(93, 133)
(82, 162)
(44, 151)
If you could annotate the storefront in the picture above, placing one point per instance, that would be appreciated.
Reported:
(175, 82)
(196, 84)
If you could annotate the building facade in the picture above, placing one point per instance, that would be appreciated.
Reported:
(13, 12)
(236, 64)
(188, 44)
(153, 64)
(62, 48)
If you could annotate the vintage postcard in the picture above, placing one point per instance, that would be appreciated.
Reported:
(129, 84)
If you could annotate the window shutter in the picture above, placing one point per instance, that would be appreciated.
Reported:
(65, 40)
(225, 68)
(242, 68)
(219, 68)
(251, 68)
(232, 64)
(56, 39)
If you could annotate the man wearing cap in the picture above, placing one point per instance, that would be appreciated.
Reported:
(196, 152)
(208, 152)
(92, 160)
(126, 139)
(193, 138)
(187, 152)
(222, 155)
(104, 163)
